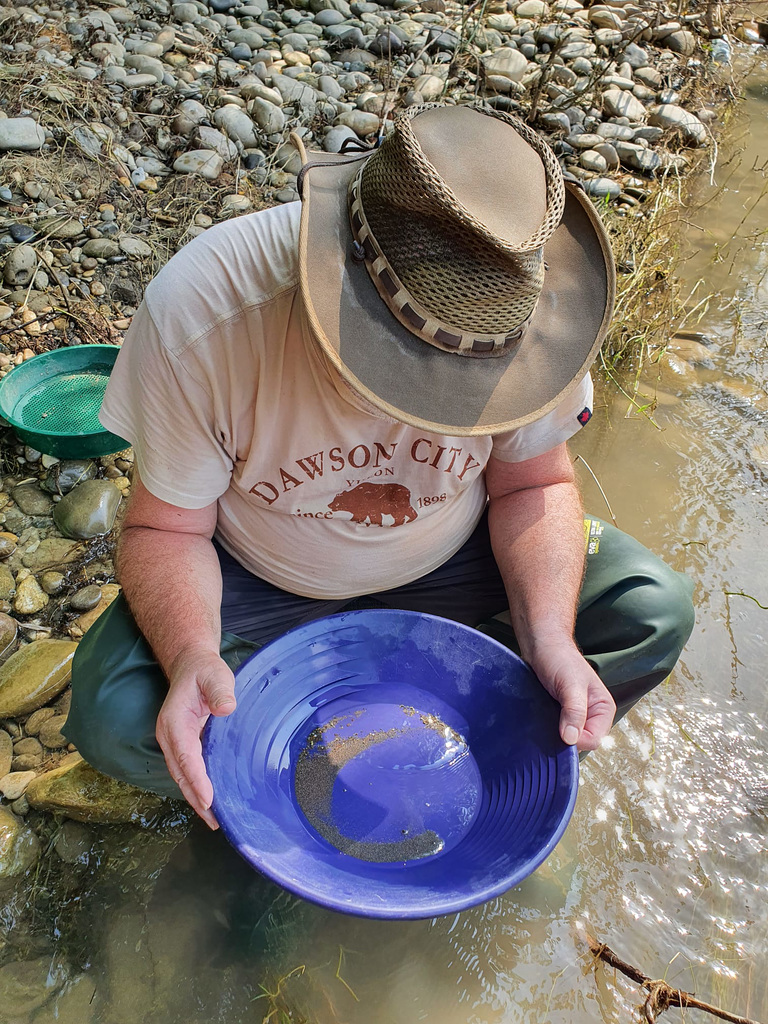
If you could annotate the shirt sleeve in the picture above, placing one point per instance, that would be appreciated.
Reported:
(154, 402)
(544, 434)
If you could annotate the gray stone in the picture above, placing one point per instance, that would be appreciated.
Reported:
(605, 17)
(345, 35)
(609, 154)
(190, 114)
(328, 17)
(212, 138)
(145, 65)
(254, 88)
(329, 86)
(101, 248)
(249, 36)
(638, 158)
(21, 133)
(607, 37)
(89, 509)
(186, 12)
(635, 56)
(235, 123)
(360, 122)
(650, 134)
(601, 188)
(62, 477)
(336, 137)
(581, 48)
(619, 103)
(617, 82)
(502, 22)
(681, 42)
(32, 500)
(200, 161)
(267, 116)
(20, 265)
(678, 119)
(506, 63)
(139, 81)
(593, 161)
(19, 850)
(52, 582)
(615, 131)
(63, 227)
(295, 42)
(564, 76)
(135, 247)
(288, 158)
(532, 9)
(650, 77)
(667, 96)
(555, 122)
(236, 203)
(386, 43)
(26, 985)
(430, 86)
(85, 599)
(584, 140)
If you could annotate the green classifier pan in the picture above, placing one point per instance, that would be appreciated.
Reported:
(53, 400)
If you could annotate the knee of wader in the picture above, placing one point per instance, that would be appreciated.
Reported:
(666, 606)
(117, 689)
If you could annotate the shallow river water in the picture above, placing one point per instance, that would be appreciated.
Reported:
(666, 858)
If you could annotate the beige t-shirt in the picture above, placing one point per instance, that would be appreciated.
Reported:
(225, 396)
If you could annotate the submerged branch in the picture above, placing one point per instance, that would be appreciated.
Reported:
(660, 995)
(740, 593)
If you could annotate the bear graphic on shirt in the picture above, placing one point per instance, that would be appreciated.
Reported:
(369, 503)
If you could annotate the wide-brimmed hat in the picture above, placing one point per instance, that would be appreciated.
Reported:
(451, 276)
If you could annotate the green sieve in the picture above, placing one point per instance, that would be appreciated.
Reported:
(53, 400)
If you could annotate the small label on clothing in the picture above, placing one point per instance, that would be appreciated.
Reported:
(593, 530)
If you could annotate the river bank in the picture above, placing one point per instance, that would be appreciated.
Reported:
(100, 200)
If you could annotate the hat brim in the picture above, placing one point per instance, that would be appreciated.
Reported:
(421, 385)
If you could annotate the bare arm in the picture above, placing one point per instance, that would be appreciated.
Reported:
(536, 526)
(170, 575)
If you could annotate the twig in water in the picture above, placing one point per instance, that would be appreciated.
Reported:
(339, 977)
(740, 593)
(580, 458)
(660, 995)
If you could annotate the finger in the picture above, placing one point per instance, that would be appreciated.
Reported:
(179, 738)
(219, 692)
(573, 713)
(600, 715)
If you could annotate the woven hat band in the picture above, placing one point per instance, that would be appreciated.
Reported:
(411, 313)
(448, 276)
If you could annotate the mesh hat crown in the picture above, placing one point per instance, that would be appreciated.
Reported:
(458, 259)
